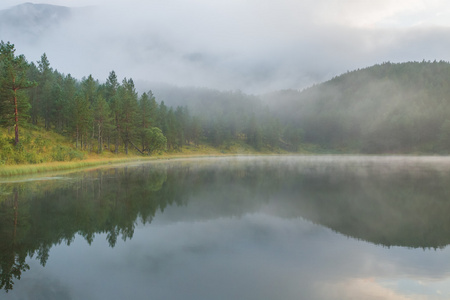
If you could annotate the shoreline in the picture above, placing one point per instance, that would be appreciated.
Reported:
(9, 171)
(54, 168)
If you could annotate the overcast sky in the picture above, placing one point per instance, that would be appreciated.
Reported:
(252, 45)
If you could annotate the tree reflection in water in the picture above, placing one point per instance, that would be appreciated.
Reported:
(377, 201)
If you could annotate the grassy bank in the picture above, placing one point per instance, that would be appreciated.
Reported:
(15, 170)
(44, 151)
(107, 158)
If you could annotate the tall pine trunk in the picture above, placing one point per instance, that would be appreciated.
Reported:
(116, 150)
(78, 134)
(100, 148)
(126, 141)
(16, 118)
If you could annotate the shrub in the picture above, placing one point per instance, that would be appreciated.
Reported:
(59, 153)
(74, 154)
(6, 150)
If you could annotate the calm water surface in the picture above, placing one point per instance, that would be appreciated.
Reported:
(231, 228)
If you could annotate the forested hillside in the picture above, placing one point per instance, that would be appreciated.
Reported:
(112, 116)
(387, 108)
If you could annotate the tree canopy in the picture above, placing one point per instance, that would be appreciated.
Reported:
(386, 108)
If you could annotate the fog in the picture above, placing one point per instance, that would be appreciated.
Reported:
(253, 46)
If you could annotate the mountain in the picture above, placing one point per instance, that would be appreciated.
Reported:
(30, 21)
(386, 108)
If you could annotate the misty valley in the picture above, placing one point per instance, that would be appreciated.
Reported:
(264, 227)
(48, 116)
(236, 164)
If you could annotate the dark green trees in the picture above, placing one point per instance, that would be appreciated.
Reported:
(98, 115)
(387, 108)
(80, 119)
(102, 120)
(127, 97)
(151, 137)
(44, 90)
(110, 90)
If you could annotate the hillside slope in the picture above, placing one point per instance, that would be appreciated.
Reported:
(387, 108)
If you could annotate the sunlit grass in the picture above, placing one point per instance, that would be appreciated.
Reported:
(15, 170)
(107, 158)
(52, 152)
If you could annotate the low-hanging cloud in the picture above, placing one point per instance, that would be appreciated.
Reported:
(255, 46)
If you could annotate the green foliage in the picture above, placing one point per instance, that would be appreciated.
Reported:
(6, 149)
(59, 153)
(40, 142)
(96, 116)
(64, 153)
(13, 80)
(128, 112)
(75, 154)
(18, 154)
(32, 157)
(387, 108)
(36, 146)
(155, 140)
(103, 120)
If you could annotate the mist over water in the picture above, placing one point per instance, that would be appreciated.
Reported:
(290, 227)
(301, 227)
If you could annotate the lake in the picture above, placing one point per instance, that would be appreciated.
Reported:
(279, 227)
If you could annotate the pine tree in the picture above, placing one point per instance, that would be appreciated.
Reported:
(80, 118)
(114, 103)
(128, 111)
(33, 74)
(89, 88)
(13, 79)
(59, 102)
(69, 86)
(44, 90)
(144, 118)
(161, 118)
(102, 118)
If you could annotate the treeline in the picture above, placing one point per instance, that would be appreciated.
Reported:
(229, 116)
(99, 116)
(113, 116)
(96, 116)
(386, 108)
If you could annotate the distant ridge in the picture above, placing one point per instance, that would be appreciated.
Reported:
(29, 20)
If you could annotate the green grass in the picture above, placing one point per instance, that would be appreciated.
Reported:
(36, 146)
(16, 170)
(43, 151)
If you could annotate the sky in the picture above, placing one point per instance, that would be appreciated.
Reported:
(255, 46)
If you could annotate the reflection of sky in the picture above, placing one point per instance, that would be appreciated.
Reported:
(256, 256)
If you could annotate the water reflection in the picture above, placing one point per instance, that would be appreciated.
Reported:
(245, 202)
